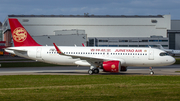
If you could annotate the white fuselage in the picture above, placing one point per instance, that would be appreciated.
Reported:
(128, 56)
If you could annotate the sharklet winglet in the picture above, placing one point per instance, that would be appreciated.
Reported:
(58, 50)
(83, 45)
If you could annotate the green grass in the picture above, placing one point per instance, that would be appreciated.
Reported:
(177, 61)
(89, 87)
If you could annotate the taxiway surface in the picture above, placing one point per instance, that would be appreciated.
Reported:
(74, 70)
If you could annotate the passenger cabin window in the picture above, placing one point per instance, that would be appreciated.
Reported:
(163, 54)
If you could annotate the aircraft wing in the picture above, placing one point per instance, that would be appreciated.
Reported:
(91, 60)
(81, 57)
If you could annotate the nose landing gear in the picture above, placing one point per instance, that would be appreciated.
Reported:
(151, 70)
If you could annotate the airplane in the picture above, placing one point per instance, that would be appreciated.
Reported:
(170, 51)
(110, 59)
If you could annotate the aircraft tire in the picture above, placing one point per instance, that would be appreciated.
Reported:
(96, 71)
(90, 71)
(151, 72)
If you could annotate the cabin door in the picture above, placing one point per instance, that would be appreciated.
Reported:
(151, 54)
(38, 53)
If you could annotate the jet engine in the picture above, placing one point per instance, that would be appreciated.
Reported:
(113, 66)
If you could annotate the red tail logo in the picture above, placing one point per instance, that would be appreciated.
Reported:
(20, 36)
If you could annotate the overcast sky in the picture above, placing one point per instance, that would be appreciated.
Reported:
(96, 7)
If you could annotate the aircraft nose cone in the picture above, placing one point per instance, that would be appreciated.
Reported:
(172, 60)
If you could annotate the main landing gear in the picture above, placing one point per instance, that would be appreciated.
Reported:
(151, 70)
(93, 71)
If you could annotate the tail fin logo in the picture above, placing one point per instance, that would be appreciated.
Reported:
(19, 34)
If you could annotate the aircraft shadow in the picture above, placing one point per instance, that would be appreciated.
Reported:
(85, 73)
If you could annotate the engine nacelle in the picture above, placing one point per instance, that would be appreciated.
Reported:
(113, 66)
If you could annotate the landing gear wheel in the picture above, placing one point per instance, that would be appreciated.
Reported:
(96, 71)
(151, 72)
(90, 71)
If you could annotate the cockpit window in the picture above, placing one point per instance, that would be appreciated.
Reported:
(163, 54)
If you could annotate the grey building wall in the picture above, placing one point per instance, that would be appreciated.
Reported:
(72, 31)
(96, 26)
(174, 35)
(175, 24)
(177, 41)
(129, 41)
(61, 40)
(1, 35)
(174, 39)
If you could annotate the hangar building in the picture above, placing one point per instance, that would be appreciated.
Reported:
(174, 35)
(95, 30)
(1, 35)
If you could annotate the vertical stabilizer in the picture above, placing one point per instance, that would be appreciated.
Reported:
(20, 36)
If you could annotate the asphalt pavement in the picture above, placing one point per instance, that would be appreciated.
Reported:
(74, 70)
